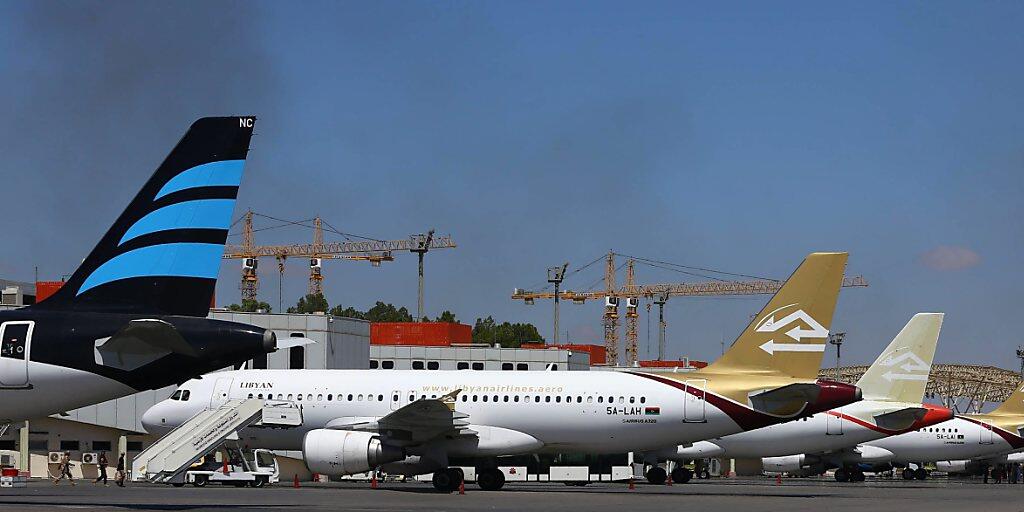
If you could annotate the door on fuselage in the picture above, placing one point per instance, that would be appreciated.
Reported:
(833, 425)
(987, 436)
(15, 347)
(221, 392)
(695, 403)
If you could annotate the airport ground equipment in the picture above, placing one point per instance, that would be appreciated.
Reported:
(167, 460)
(238, 467)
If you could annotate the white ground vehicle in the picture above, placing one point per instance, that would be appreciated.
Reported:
(252, 468)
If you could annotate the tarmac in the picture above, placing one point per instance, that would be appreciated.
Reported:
(730, 495)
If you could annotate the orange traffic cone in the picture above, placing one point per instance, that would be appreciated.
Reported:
(295, 482)
(778, 479)
(668, 481)
(225, 466)
(632, 484)
(462, 487)
(373, 481)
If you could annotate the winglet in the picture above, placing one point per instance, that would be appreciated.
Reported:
(900, 373)
(788, 336)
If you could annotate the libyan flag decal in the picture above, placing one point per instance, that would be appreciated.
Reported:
(652, 411)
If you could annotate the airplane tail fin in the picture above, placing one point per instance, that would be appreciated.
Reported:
(788, 336)
(900, 373)
(162, 255)
(1014, 404)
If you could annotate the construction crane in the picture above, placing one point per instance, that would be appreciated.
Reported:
(374, 251)
(659, 293)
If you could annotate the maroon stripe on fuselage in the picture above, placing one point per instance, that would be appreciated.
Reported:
(1013, 440)
(745, 417)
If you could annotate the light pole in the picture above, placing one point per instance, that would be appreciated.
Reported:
(660, 300)
(420, 245)
(555, 276)
(836, 339)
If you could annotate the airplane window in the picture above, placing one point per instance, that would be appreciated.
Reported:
(433, 396)
(465, 398)
(185, 395)
(329, 397)
(369, 398)
(632, 399)
(495, 398)
(590, 399)
(558, 399)
(478, 366)
(526, 399)
(522, 367)
(359, 398)
(462, 365)
(380, 398)
(621, 400)
(394, 397)
(250, 395)
(507, 366)
(537, 399)
(319, 397)
(611, 399)
(374, 364)
(554, 366)
(643, 399)
(474, 398)
(299, 396)
(579, 399)
(350, 398)
(309, 396)
(417, 365)
(515, 399)
(433, 365)
(387, 365)
(547, 399)
(260, 396)
(176, 395)
(485, 398)
(600, 399)
(505, 399)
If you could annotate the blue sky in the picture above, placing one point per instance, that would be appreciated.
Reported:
(736, 136)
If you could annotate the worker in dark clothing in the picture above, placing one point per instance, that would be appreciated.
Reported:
(121, 475)
(102, 463)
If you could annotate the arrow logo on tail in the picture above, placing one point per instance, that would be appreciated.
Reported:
(889, 376)
(771, 347)
(817, 330)
(913, 363)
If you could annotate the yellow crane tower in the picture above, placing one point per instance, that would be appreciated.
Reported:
(374, 251)
(659, 293)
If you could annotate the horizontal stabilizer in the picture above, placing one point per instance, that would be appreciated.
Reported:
(900, 419)
(283, 343)
(787, 400)
(139, 343)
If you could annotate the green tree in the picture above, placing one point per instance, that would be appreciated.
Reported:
(349, 312)
(447, 316)
(250, 306)
(311, 303)
(506, 334)
(381, 312)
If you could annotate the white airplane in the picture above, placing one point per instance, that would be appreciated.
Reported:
(983, 438)
(411, 422)
(132, 316)
(893, 389)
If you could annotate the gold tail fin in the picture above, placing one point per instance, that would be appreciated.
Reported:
(1014, 404)
(788, 336)
(900, 374)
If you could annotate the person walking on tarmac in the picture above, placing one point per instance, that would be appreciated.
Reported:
(65, 469)
(120, 476)
(102, 463)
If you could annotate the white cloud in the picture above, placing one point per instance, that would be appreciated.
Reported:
(950, 258)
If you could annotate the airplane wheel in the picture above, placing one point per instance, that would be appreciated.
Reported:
(457, 476)
(857, 476)
(704, 474)
(259, 482)
(681, 475)
(908, 474)
(442, 480)
(842, 475)
(490, 479)
(657, 475)
(200, 481)
(920, 474)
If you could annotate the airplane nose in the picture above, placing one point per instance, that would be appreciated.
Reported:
(154, 420)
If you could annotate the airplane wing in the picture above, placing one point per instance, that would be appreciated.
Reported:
(785, 401)
(414, 423)
(901, 418)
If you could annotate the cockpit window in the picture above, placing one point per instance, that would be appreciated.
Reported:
(176, 395)
(184, 395)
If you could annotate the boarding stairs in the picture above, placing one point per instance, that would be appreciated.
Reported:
(167, 459)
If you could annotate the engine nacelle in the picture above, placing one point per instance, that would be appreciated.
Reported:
(952, 466)
(785, 464)
(345, 452)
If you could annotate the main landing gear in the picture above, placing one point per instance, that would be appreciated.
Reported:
(910, 474)
(490, 479)
(448, 480)
(657, 475)
(681, 475)
(849, 475)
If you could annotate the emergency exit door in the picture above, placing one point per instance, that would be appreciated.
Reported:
(15, 346)
(987, 436)
(833, 425)
(694, 404)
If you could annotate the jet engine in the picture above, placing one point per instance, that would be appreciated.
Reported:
(345, 452)
(954, 466)
(787, 464)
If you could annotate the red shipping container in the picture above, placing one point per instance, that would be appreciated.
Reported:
(44, 289)
(598, 354)
(430, 334)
